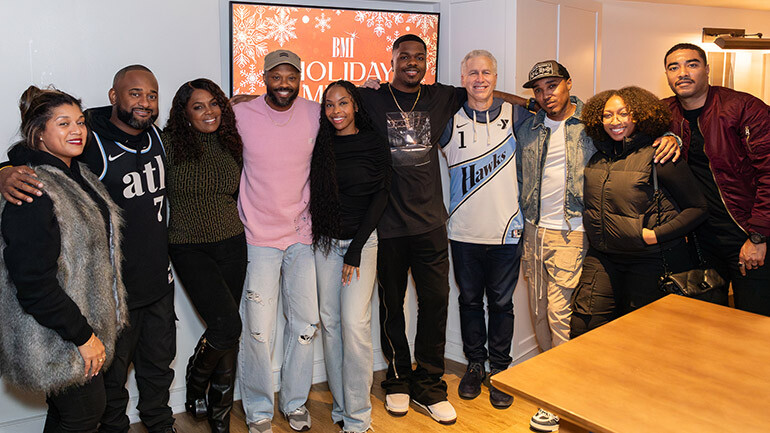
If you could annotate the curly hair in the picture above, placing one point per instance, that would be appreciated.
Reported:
(651, 115)
(324, 192)
(182, 133)
(36, 106)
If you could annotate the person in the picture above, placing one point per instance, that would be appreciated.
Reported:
(207, 243)
(726, 137)
(61, 295)
(634, 229)
(349, 184)
(554, 152)
(279, 131)
(127, 156)
(480, 148)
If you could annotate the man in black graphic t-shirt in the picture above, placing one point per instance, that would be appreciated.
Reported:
(125, 151)
(726, 137)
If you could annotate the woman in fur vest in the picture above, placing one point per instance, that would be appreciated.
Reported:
(62, 301)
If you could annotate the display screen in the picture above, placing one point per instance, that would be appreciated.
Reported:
(333, 44)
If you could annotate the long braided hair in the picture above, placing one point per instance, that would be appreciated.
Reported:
(324, 192)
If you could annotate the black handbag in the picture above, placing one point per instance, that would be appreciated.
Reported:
(692, 283)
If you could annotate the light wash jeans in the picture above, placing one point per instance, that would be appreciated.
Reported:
(347, 333)
(272, 273)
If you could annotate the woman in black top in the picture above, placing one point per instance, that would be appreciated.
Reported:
(207, 244)
(627, 230)
(349, 184)
(62, 300)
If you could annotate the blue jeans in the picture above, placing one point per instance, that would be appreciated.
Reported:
(347, 333)
(492, 270)
(271, 273)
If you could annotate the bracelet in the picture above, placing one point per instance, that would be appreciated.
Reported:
(5, 166)
(531, 102)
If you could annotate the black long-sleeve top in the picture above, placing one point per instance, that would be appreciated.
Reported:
(33, 245)
(363, 178)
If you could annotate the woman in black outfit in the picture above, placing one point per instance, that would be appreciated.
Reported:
(627, 239)
(62, 300)
(349, 187)
(207, 244)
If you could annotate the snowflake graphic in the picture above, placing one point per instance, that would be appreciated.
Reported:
(252, 80)
(338, 12)
(391, 39)
(430, 44)
(424, 22)
(281, 25)
(322, 22)
(379, 21)
(248, 37)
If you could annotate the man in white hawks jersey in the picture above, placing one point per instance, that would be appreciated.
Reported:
(485, 223)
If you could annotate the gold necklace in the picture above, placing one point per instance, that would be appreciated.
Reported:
(291, 114)
(399, 105)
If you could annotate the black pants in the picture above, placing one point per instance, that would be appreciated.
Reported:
(750, 293)
(492, 270)
(612, 285)
(212, 275)
(427, 256)
(77, 408)
(150, 344)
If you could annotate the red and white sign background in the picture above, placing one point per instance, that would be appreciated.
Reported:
(334, 44)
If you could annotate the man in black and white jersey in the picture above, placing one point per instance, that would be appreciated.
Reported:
(125, 150)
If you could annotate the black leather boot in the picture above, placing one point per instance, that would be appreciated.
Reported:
(199, 369)
(221, 391)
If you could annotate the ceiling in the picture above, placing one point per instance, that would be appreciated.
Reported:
(736, 4)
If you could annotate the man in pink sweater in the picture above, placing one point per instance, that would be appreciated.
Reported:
(278, 131)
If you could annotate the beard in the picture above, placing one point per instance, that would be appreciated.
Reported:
(128, 118)
(280, 101)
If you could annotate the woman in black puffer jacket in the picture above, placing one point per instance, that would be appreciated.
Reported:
(621, 218)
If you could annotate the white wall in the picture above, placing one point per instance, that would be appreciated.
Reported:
(636, 36)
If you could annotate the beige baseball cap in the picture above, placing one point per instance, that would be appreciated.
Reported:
(279, 57)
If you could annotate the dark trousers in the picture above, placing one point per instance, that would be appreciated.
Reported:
(150, 344)
(212, 275)
(427, 256)
(492, 270)
(750, 293)
(77, 408)
(612, 285)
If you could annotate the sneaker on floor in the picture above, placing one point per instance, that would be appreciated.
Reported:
(299, 420)
(443, 411)
(470, 385)
(544, 421)
(261, 426)
(397, 404)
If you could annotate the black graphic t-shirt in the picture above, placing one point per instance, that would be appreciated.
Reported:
(416, 203)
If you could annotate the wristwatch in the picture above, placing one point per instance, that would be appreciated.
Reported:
(757, 238)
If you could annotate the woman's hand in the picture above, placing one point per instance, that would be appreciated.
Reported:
(347, 273)
(649, 237)
(94, 355)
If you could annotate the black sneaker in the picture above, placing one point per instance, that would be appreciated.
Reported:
(470, 385)
(499, 399)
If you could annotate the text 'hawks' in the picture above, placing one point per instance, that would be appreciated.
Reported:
(473, 175)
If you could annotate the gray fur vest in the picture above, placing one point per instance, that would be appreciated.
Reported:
(32, 356)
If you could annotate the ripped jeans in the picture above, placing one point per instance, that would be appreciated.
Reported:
(271, 273)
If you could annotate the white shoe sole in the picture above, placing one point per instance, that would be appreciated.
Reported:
(396, 413)
(433, 415)
(545, 429)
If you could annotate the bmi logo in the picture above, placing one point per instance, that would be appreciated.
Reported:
(342, 47)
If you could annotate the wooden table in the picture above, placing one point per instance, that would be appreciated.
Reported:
(676, 365)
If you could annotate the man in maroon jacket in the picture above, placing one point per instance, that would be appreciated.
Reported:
(726, 140)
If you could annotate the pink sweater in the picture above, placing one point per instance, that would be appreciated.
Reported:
(274, 194)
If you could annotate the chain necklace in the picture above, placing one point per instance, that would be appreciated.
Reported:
(291, 114)
(399, 105)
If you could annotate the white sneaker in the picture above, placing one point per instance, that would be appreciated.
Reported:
(397, 404)
(443, 411)
(544, 421)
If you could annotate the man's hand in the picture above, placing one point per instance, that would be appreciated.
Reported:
(237, 99)
(752, 256)
(18, 183)
(371, 83)
(668, 148)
